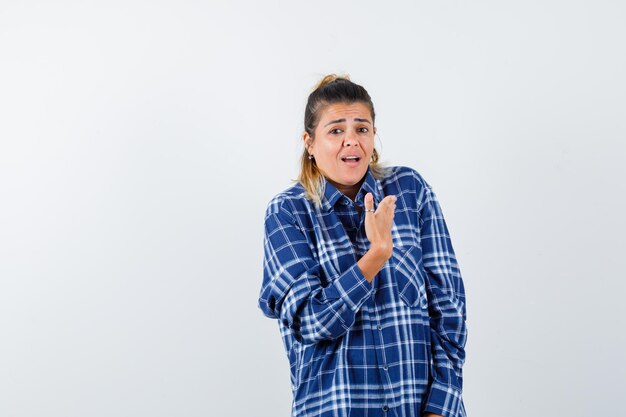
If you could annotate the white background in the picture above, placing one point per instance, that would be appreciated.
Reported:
(140, 142)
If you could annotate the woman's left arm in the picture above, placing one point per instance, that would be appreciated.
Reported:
(446, 307)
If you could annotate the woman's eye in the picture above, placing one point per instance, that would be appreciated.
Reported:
(363, 130)
(336, 131)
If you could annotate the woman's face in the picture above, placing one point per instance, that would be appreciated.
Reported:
(343, 143)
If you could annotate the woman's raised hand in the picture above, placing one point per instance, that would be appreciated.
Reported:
(378, 224)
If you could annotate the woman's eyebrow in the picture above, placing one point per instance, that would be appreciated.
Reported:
(335, 121)
(356, 119)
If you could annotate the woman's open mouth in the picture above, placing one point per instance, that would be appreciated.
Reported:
(351, 160)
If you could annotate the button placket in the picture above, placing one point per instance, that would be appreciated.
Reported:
(380, 353)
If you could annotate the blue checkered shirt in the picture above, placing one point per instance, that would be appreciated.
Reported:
(392, 348)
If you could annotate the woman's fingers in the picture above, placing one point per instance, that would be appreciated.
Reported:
(369, 203)
(386, 207)
(379, 223)
(389, 204)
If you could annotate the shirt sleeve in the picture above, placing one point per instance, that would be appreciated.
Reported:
(446, 307)
(292, 291)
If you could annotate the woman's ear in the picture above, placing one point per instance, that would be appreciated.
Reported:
(307, 141)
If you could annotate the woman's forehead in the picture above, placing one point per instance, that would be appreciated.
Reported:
(347, 111)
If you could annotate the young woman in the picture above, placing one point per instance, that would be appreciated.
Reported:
(361, 275)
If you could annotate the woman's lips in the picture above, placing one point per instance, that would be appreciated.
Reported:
(351, 160)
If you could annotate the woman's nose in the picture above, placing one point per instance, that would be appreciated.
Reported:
(350, 139)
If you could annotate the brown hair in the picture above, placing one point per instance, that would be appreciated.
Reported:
(329, 90)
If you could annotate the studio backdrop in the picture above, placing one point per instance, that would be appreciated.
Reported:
(140, 142)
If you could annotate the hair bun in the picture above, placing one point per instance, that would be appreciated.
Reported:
(329, 79)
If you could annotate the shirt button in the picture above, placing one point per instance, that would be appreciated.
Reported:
(380, 327)
(385, 367)
(385, 408)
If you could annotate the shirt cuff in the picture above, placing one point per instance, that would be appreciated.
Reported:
(353, 288)
(443, 399)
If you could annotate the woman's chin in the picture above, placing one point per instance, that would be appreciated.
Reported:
(346, 178)
(350, 180)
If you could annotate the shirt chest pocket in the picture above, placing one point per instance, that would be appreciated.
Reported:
(410, 276)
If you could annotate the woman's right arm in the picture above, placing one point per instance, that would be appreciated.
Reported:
(292, 290)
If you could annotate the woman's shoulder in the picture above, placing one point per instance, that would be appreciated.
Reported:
(404, 176)
(287, 201)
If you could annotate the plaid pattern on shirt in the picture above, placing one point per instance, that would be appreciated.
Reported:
(392, 348)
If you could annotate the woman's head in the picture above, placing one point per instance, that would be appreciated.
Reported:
(338, 137)
(330, 90)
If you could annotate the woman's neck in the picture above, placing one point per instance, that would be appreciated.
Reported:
(349, 191)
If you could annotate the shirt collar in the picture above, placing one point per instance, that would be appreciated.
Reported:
(332, 195)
